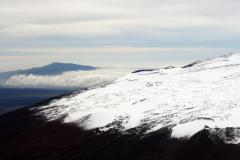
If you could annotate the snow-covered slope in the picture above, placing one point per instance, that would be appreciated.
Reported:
(187, 100)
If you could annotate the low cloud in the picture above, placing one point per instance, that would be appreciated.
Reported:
(67, 80)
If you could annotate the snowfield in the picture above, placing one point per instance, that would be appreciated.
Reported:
(187, 100)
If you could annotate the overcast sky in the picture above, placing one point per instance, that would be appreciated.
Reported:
(126, 33)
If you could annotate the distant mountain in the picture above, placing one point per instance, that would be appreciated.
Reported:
(51, 69)
(189, 113)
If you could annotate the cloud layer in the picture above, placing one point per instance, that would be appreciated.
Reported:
(47, 26)
(106, 17)
(115, 56)
(67, 80)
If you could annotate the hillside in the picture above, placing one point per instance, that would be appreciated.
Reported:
(188, 113)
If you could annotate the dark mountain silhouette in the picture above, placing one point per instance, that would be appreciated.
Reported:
(26, 136)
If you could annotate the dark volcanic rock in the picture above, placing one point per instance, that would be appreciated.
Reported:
(206, 146)
(143, 70)
(191, 64)
(169, 67)
(27, 137)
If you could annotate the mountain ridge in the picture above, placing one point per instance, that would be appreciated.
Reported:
(188, 100)
(90, 124)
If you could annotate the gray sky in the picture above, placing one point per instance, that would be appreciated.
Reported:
(126, 33)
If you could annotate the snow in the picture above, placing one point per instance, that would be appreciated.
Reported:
(183, 99)
(189, 129)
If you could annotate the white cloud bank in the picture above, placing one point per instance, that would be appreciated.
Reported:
(69, 80)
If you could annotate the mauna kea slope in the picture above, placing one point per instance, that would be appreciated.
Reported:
(188, 113)
(185, 100)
